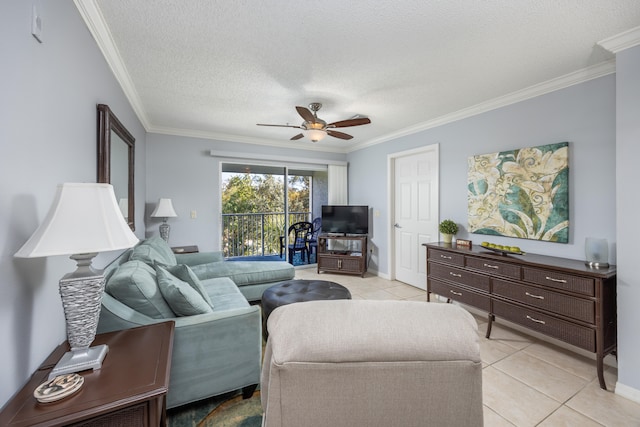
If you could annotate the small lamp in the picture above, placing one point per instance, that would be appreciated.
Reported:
(164, 210)
(596, 252)
(83, 220)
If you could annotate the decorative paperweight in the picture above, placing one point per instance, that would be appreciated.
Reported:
(58, 388)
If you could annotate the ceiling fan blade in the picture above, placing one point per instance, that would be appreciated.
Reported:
(350, 122)
(306, 114)
(337, 134)
(298, 136)
(279, 126)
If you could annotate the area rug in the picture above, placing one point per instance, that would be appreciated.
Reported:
(228, 410)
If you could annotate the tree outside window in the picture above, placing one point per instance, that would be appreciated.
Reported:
(253, 211)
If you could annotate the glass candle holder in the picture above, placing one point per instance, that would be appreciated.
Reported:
(596, 252)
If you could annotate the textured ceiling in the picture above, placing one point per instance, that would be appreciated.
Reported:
(214, 69)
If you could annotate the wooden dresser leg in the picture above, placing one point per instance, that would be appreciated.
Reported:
(600, 368)
(491, 319)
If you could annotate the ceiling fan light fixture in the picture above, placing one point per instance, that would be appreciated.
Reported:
(317, 129)
(319, 125)
(315, 135)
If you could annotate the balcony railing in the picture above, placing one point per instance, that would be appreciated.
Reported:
(256, 234)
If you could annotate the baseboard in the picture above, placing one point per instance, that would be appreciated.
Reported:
(377, 273)
(627, 392)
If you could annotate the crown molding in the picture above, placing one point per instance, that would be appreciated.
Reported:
(580, 76)
(622, 41)
(92, 16)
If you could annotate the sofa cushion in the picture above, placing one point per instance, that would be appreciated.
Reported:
(134, 284)
(225, 293)
(184, 273)
(183, 299)
(153, 249)
(246, 272)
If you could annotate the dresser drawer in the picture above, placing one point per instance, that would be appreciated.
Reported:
(571, 333)
(460, 294)
(446, 257)
(577, 308)
(459, 275)
(583, 285)
(494, 267)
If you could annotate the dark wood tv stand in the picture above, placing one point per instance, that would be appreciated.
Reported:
(342, 253)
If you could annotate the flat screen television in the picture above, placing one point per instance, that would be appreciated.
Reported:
(345, 219)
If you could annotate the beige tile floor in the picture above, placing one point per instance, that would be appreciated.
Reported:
(526, 381)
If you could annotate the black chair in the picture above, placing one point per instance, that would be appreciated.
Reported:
(313, 237)
(300, 232)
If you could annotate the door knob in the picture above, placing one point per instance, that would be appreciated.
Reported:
(396, 225)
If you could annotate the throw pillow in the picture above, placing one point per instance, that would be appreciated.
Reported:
(184, 273)
(134, 284)
(181, 297)
(154, 249)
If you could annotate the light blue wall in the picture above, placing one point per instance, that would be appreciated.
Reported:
(628, 206)
(182, 169)
(48, 97)
(583, 114)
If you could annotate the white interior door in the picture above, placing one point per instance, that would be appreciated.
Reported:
(415, 213)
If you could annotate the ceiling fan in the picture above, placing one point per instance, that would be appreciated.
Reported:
(316, 129)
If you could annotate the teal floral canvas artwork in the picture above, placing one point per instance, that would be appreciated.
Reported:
(521, 193)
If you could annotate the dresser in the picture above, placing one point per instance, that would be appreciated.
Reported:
(558, 297)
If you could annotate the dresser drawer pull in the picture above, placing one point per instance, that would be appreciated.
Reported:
(454, 274)
(536, 320)
(556, 280)
(533, 296)
(456, 293)
(445, 257)
(491, 266)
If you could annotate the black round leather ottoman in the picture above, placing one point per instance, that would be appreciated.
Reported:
(298, 291)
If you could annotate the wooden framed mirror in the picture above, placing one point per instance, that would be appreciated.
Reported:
(116, 166)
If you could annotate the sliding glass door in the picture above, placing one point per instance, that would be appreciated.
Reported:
(260, 202)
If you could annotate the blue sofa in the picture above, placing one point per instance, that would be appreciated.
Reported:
(218, 334)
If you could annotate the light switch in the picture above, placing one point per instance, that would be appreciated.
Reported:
(194, 214)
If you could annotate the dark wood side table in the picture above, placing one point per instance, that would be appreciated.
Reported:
(191, 249)
(130, 389)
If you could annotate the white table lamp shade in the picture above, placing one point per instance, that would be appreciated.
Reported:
(84, 218)
(164, 209)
